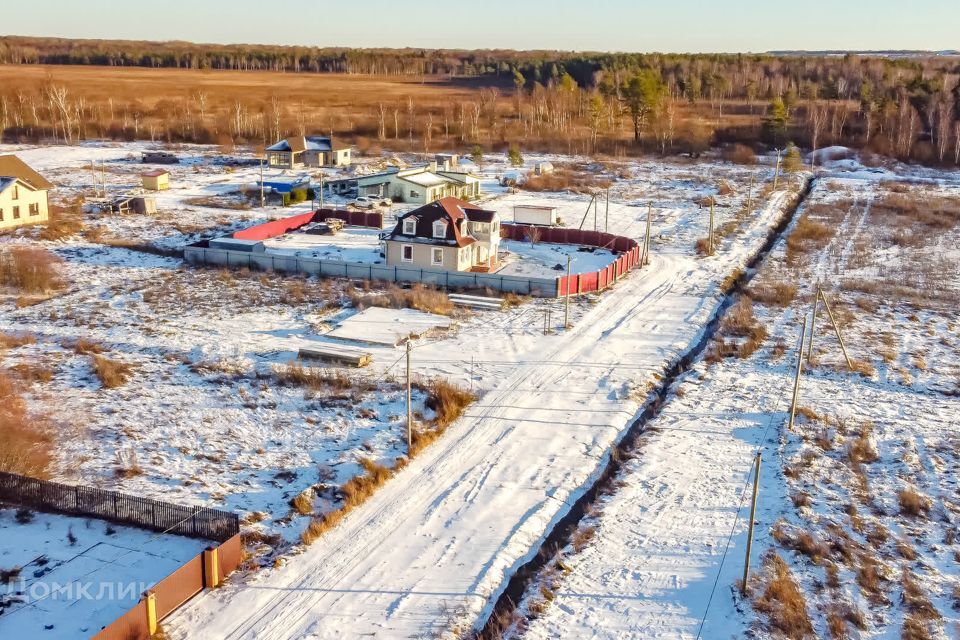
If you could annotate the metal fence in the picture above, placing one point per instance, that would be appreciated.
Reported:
(195, 522)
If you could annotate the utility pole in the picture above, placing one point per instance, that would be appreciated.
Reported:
(710, 238)
(606, 213)
(836, 328)
(813, 325)
(566, 306)
(321, 189)
(750, 196)
(263, 200)
(796, 379)
(646, 241)
(776, 174)
(410, 406)
(595, 205)
(753, 517)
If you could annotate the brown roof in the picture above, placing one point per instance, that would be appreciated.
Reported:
(16, 168)
(155, 173)
(451, 210)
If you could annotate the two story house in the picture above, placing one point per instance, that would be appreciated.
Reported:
(447, 234)
(23, 194)
(308, 151)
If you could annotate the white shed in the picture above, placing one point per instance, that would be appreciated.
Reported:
(535, 214)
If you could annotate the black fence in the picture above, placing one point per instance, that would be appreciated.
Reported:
(195, 522)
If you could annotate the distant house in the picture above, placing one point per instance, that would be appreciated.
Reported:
(535, 214)
(447, 234)
(420, 185)
(23, 194)
(308, 151)
(543, 168)
(159, 157)
(156, 180)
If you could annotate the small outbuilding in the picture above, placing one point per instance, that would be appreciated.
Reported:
(542, 168)
(536, 214)
(156, 180)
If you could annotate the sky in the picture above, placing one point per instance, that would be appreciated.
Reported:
(584, 25)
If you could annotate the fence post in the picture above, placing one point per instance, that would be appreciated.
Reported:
(151, 599)
(116, 511)
(76, 497)
(193, 518)
(211, 567)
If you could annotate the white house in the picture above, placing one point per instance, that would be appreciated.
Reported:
(23, 194)
(308, 151)
(535, 214)
(447, 234)
(420, 185)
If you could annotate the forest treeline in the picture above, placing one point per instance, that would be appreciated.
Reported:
(905, 107)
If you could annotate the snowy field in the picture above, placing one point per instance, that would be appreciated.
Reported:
(663, 554)
(77, 575)
(207, 416)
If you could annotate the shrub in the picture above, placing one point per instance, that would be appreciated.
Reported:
(13, 340)
(447, 400)
(782, 602)
(111, 373)
(83, 346)
(807, 235)
(61, 224)
(740, 154)
(295, 374)
(913, 504)
(25, 441)
(30, 270)
(779, 294)
(303, 502)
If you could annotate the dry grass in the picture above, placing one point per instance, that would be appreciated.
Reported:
(355, 492)
(112, 373)
(565, 180)
(33, 372)
(802, 542)
(740, 324)
(779, 294)
(417, 297)
(302, 503)
(808, 235)
(26, 440)
(295, 374)
(913, 504)
(448, 402)
(915, 598)
(871, 578)
(83, 346)
(30, 270)
(14, 340)
(782, 602)
(61, 224)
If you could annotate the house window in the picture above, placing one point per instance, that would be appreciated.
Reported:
(436, 257)
(409, 226)
(413, 194)
(34, 209)
(406, 253)
(439, 229)
(16, 193)
(16, 212)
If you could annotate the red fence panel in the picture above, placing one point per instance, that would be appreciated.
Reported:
(132, 624)
(273, 228)
(179, 586)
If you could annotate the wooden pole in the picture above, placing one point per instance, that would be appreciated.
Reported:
(796, 379)
(321, 190)
(566, 306)
(409, 405)
(646, 241)
(753, 517)
(710, 239)
(595, 206)
(263, 200)
(836, 327)
(813, 325)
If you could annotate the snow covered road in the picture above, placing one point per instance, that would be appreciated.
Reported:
(435, 546)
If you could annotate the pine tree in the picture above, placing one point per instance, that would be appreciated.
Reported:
(516, 159)
(792, 161)
(775, 123)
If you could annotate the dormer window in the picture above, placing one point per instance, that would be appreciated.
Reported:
(410, 226)
(439, 229)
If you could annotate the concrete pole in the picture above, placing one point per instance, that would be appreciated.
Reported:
(566, 306)
(776, 174)
(813, 325)
(710, 239)
(606, 214)
(753, 517)
(796, 379)
(409, 406)
(836, 328)
(263, 200)
(646, 241)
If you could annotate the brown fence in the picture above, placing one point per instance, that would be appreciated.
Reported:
(373, 219)
(206, 570)
(629, 257)
(195, 522)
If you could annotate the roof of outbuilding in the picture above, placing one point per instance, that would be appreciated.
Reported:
(298, 144)
(13, 167)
